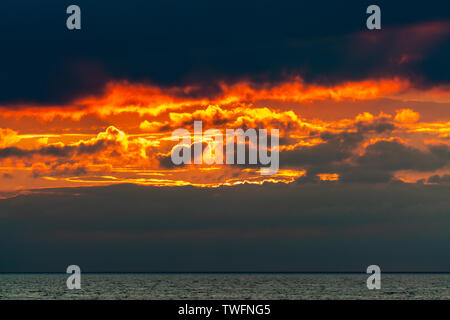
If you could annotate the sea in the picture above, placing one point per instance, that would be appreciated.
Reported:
(224, 286)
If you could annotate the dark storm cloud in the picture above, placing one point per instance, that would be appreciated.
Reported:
(61, 170)
(178, 42)
(337, 146)
(383, 158)
(393, 155)
(377, 164)
(56, 150)
(303, 227)
(439, 179)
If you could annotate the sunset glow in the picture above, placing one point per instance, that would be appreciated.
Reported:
(124, 135)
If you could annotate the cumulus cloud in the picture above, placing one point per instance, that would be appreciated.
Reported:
(8, 137)
(111, 137)
(367, 148)
(336, 146)
(407, 116)
(354, 156)
(393, 155)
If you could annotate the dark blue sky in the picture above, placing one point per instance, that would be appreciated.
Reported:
(177, 42)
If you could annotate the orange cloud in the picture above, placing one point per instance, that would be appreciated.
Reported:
(328, 176)
(407, 116)
(298, 91)
(90, 149)
(8, 137)
(147, 100)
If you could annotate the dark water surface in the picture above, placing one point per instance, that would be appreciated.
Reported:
(224, 286)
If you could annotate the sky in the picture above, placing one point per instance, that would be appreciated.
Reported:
(86, 122)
